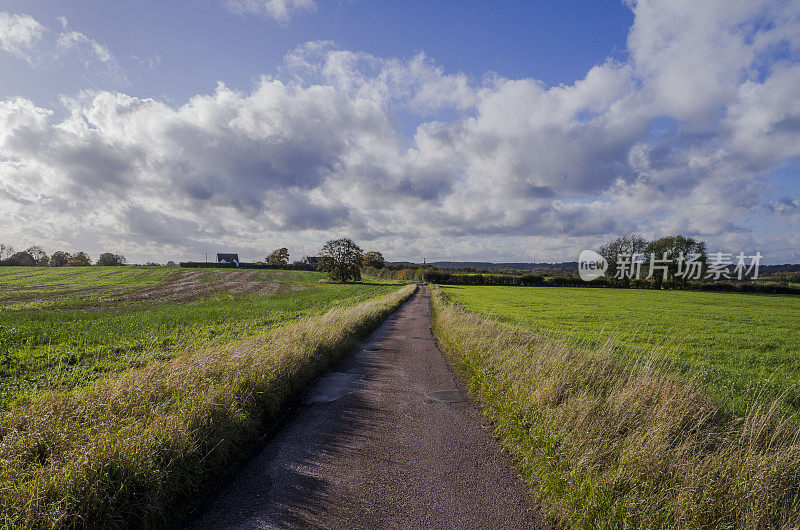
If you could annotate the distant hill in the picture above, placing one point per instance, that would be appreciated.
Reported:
(766, 270)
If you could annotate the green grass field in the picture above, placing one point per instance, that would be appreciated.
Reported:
(743, 347)
(66, 327)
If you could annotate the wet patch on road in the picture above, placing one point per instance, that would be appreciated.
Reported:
(447, 396)
(332, 387)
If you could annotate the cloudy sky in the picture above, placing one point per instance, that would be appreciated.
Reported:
(461, 130)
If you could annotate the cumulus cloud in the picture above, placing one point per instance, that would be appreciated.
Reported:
(416, 83)
(679, 137)
(41, 46)
(280, 10)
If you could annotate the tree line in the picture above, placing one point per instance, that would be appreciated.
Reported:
(667, 255)
(35, 256)
(342, 259)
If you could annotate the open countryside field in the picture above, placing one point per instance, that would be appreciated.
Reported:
(744, 347)
(635, 408)
(65, 327)
(124, 389)
(65, 287)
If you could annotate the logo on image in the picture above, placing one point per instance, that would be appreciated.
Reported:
(591, 265)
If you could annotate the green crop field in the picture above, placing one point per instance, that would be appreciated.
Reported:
(743, 347)
(127, 392)
(66, 327)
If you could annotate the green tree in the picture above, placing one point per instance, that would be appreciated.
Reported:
(324, 264)
(107, 259)
(633, 244)
(60, 258)
(39, 255)
(278, 257)
(81, 259)
(343, 261)
(668, 252)
(20, 259)
(374, 259)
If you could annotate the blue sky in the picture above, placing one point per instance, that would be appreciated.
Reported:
(196, 44)
(504, 131)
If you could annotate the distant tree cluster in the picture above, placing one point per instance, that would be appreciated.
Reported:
(373, 259)
(107, 259)
(786, 277)
(633, 244)
(668, 249)
(343, 260)
(35, 256)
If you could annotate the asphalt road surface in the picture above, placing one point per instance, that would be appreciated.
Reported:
(385, 440)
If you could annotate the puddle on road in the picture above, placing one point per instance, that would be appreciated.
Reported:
(332, 387)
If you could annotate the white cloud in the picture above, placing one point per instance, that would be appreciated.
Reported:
(693, 56)
(41, 46)
(280, 10)
(416, 83)
(20, 35)
(678, 138)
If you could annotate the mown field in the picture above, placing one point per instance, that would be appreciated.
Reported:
(637, 409)
(65, 327)
(744, 347)
(126, 392)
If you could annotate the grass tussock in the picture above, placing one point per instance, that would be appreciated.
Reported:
(610, 445)
(138, 450)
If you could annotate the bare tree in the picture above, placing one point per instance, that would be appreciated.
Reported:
(6, 251)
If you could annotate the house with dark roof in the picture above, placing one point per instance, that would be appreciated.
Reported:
(228, 258)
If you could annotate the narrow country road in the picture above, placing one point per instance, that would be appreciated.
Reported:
(385, 440)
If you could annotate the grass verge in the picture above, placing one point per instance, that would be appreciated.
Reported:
(609, 445)
(140, 449)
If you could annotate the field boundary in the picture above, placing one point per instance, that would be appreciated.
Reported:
(141, 449)
(607, 445)
(536, 280)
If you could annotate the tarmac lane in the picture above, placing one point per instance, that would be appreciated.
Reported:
(387, 439)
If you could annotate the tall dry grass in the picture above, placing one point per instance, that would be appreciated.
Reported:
(614, 444)
(139, 450)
